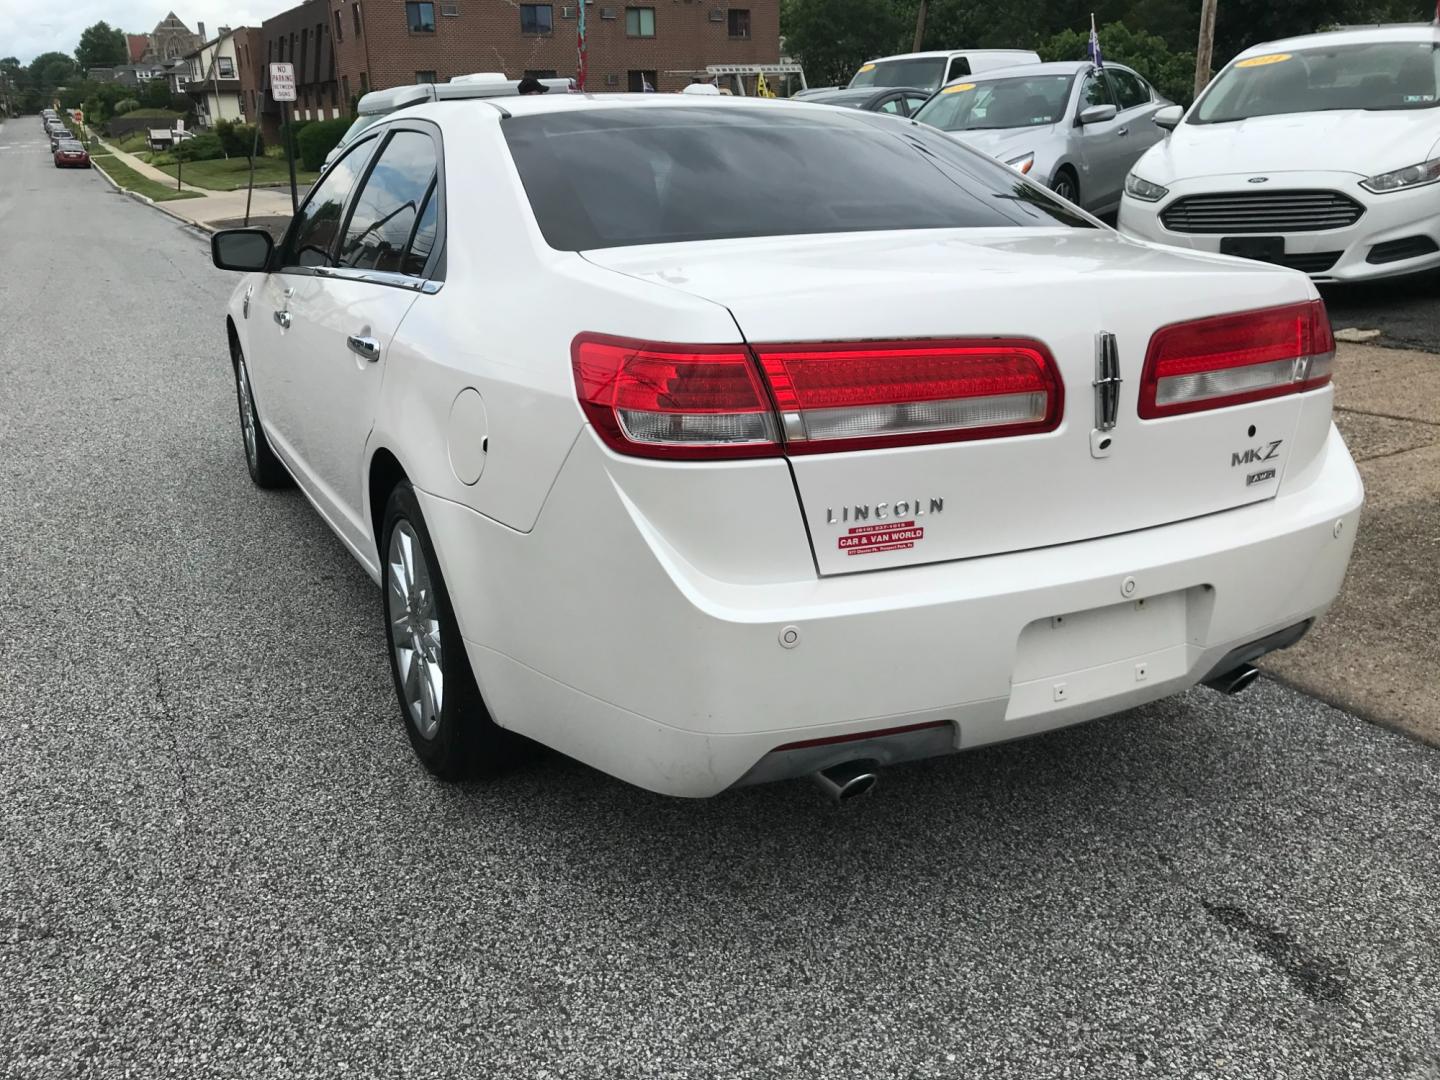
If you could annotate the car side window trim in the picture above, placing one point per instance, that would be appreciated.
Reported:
(364, 144)
(433, 276)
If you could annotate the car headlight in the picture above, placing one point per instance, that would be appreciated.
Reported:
(1138, 188)
(1427, 172)
(1024, 163)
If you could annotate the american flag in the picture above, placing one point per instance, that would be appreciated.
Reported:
(581, 56)
(1099, 63)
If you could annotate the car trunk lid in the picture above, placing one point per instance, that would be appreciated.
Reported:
(1078, 293)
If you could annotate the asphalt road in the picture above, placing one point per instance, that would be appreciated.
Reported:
(219, 858)
(1406, 311)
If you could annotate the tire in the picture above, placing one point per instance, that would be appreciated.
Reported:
(1066, 185)
(454, 738)
(266, 470)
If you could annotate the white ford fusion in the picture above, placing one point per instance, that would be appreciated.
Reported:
(713, 442)
(1319, 153)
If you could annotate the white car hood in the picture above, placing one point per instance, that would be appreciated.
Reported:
(1357, 142)
(1005, 143)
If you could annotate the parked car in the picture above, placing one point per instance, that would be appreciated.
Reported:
(57, 136)
(896, 101)
(1076, 129)
(71, 154)
(1318, 153)
(717, 440)
(932, 70)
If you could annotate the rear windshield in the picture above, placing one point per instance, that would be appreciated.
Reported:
(1028, 101)
(1376, 76)
(925, 71)
(621, 177)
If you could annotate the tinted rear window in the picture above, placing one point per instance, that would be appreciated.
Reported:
(620, 177)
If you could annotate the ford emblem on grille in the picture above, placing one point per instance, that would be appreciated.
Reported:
(1258, 179)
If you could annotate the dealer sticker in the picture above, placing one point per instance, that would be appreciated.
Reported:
(873, 539)
(1264, 61)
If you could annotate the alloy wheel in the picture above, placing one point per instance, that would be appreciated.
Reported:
(247, 414)
(415, 630)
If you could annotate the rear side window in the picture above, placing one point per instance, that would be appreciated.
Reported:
(389, 207)
(618, 177)
(1129, 90)
(312, 235)
(959, 68)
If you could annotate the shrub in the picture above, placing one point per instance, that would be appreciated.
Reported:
(200, 148)
(126, 106)
(318, 139)
(238, 139)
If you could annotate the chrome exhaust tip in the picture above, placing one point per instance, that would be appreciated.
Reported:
(848, 780)
(1234, 680)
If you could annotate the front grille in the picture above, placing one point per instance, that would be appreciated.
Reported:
(1394, 250)
(1262, 212)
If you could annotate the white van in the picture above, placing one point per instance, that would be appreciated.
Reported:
(932, 70)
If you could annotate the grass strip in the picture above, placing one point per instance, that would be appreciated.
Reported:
(130, 180)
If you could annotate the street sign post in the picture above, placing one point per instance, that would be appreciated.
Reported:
(175, 134)
(282, 89)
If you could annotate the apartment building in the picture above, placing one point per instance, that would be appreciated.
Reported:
(345, 48)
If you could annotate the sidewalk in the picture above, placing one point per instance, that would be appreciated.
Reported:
(212, 206)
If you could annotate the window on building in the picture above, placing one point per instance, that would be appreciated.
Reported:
(425, 77)
(226, 67)
(537, 18)
(389, 207)
(339, 29)
(364, 83)
(345, 89)
(640, 22)
(420, 15)
(355, 11)
(739, 20)
(642, 82)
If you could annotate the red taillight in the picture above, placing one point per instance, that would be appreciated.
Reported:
(1232, 359)
(674, 401)
(709, 401)
(861, 395)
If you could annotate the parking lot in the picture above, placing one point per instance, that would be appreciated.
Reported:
(222, 859)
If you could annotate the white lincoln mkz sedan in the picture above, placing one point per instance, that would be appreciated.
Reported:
(1320, 153)
(712, 442)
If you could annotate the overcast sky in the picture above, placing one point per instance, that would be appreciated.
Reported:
(29, 28)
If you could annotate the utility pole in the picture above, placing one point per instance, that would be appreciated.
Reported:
(1205, 49)
(919, 26)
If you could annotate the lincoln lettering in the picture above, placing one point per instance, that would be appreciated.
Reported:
(904, 508)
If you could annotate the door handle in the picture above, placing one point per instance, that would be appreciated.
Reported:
(367, 347)
(283, 318)
(1123, 131)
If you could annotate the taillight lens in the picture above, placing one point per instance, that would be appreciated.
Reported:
(871, 394)
(674, 401)
(1232, 359)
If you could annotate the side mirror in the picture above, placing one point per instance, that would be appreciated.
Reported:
(241, 249)
(1169, 117)
(1096, 114)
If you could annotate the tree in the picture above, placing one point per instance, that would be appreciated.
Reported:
(831, 38)
(1172, 73)
(52, 69)
(101, 46)
(155, 94)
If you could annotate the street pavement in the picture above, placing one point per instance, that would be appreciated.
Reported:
(219, 858)
(1405, 311)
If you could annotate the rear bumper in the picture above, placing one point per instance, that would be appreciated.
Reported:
(592, 636)
(1388, 220)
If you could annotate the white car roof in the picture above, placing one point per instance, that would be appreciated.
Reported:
(1361, 35)
(532, 104)
(951, 52)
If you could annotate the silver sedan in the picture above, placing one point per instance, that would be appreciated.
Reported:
(1069, 125)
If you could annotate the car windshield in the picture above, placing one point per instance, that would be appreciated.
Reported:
(922, 71)
(1024, 101)
(1382, 75)
(618, 177)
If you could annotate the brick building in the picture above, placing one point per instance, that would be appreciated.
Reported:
(345, 48)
